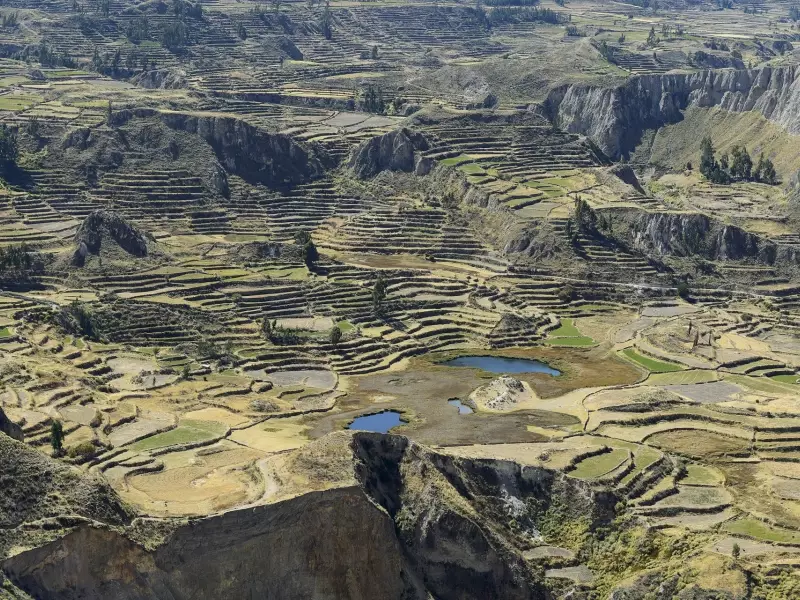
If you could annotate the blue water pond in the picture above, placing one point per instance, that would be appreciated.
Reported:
(379, 423)
(463, 409)
(502, 364)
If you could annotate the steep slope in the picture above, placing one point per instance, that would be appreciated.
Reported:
(405, 523)
(616, 117)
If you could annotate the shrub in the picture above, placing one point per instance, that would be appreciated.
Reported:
(82, 450)
(8, 147)
(335, 335)
(57, 438)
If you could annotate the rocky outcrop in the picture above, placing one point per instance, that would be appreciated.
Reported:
(102, 227)
(407, 523)
(709, 60)
(627, 175)
(616, 117)
(665, 234)
(8, 427)
(502, 393)
(333, 544)
(161, 79)
(257, 156)
(41, 497)
(393, 151)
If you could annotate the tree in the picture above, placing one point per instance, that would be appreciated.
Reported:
(707, 160)
(584, 215)
(765, 171)
(8, 147)
(335, 335)
(175, 35)
(709, 167)
(683, 289)
(266, 328)
(374, 53)
(379, 294)
(57, 437)
(326, 24)
(242, 31)
(768, 174)
(735, 550)
(741, 163)
(652, 40)
(310, 255)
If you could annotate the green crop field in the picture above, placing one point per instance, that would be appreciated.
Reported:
(651, 364)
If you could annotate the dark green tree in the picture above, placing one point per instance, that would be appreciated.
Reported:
(310, 255)
(741, 163)
(707, 160)
(326, 24)
(335, 335)
(768, 174)
(379, 294)
(57, 437)
(8, 147)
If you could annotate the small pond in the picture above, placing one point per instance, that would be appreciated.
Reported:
(463, 409)
(379, 423)
(502, 364)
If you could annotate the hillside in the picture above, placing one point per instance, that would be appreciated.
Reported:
(399, 300)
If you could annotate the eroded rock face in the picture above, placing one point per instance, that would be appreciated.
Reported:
(334, 544)
(102, 226)
(662, 234)
(615, 118)
(257, 156)
(409, 523)
(393, 151)
(161, 79)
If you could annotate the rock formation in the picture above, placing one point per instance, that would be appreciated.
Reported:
(615, 117)
(665, 234)
(501, 394)
(393, 151)
(272, 159)
(401, 522)
(102, 227)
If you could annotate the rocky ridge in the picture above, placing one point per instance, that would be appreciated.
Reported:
(616, 117)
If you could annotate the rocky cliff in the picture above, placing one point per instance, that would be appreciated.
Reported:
(616, 117)
(257, 156)
(676, 234)
(406, 523)
(393, 151)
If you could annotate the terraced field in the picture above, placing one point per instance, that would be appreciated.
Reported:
(228, 230)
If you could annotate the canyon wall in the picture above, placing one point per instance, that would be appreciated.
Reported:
(409, 523)
(616, 117)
